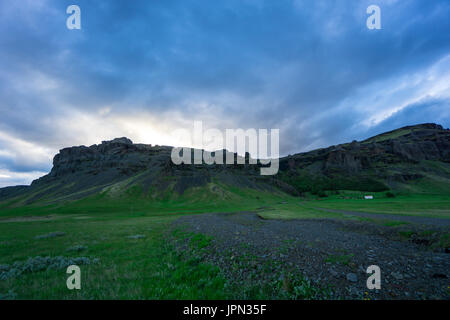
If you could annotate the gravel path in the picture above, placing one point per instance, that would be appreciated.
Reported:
(329, 252)
(439, 222)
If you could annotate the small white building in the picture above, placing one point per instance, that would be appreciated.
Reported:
(368, 197)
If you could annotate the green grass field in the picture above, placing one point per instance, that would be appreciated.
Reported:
(149, 267)
(144, 268)
(416, 205)
(128, 268)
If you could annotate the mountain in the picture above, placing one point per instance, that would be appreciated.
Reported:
(414, 159)
(120, 167)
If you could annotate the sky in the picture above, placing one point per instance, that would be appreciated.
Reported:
(144, 68)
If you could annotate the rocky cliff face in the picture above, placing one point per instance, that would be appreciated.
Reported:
(409, 144)
(81, 171)
(119, 154)
(384, 160)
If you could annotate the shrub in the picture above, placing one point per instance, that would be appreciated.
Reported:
(10, 295)
(322, 194)
(38, 263)
(77, 248)
(50, 235)
(389, 194)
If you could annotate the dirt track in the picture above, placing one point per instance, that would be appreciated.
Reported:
(439, 222)
(329, 252)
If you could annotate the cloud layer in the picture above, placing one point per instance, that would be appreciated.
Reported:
(142, 70)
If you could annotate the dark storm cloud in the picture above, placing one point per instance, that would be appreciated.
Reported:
(428, 110)
(295, 65)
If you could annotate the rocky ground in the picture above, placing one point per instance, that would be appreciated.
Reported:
(437, 222)
(329, 253)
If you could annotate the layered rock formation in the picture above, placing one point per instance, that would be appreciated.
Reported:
(119, 154)
(409, 144)
(378, 163)
(381, 162)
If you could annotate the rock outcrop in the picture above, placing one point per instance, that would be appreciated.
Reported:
(119, 154)
(417, 143)
(390, 158)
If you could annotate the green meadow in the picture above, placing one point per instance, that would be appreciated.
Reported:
(131, 239)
